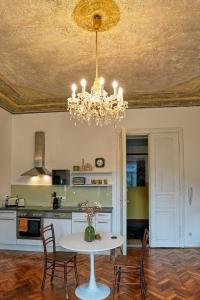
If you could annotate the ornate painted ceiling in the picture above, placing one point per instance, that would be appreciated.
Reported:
(154, 52)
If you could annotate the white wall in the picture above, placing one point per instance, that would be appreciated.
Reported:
(66, 145)
(5, 153)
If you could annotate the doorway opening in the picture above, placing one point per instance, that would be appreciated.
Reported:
(137, 176)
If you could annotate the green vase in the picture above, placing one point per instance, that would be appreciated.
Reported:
(89, 235)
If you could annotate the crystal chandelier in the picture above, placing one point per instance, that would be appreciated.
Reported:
(97, 106)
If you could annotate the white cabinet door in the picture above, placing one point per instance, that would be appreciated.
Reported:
(61, 227)
(165, 217)
(7, 227)
(79, 225)
(103, 225)
(103, 222)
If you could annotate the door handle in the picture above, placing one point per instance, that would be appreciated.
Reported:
(190, 195)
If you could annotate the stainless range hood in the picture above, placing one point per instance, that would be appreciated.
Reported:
(39, 157)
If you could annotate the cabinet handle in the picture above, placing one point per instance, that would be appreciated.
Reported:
(7, 219)
(7, 212)
(103, 222)
(79, 221)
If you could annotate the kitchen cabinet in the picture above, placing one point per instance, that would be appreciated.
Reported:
(103, 225)
(79, 222)
(8, 227)
(61, 227)
(79, 225)
(60, 177)
(103, 222)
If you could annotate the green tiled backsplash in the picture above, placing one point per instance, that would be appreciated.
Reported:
(41, 195)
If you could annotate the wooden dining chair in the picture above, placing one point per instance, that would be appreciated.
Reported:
(133, 266)
(58, 261)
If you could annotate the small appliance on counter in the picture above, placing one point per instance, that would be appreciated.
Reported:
(21, 202)
(11, 201)
(14, 202)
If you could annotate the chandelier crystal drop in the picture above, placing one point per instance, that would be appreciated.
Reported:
(97, 106)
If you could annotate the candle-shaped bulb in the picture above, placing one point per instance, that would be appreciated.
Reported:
(101, 82)
(120, 94)
(83, 84)
(74, 88)
(115, 85)
(120, 91)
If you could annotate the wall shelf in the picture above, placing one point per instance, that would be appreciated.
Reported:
(91, 185)
(92, 176)
(91, 172)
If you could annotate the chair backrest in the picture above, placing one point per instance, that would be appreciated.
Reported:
(48, 238)
(144, 244)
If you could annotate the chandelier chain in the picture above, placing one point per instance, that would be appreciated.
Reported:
(97, 56)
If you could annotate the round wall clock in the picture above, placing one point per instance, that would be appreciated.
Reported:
(99, 162)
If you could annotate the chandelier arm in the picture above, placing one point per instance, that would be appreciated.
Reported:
(97, 56)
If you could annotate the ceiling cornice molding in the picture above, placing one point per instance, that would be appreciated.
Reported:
(12, 101)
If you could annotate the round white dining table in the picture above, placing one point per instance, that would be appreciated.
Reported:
(75, 242)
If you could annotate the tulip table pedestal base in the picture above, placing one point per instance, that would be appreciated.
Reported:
(92, 290)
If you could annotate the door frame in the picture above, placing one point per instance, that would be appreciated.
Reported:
(147, 132)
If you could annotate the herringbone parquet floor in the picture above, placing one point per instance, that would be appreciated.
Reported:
(171, 274)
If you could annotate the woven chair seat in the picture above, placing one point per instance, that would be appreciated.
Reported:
(61, 256)
(127, 261)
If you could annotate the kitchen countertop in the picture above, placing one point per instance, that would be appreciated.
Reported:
(49, 209)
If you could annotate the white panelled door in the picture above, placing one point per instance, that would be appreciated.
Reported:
(165, 217)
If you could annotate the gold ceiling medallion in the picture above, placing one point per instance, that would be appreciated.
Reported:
(85, 11)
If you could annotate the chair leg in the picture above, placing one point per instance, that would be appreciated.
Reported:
(112, 255)
(114, 281)
(53, 270)
(44, 275)
(118, 278)
(142, 284)
(76, 272)
(65, 280)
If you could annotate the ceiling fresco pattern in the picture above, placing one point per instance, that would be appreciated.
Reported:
(153, 51)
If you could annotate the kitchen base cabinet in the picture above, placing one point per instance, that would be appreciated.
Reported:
(103, 222)
(61, 227)
(103, 225)
(8, 227)
(79, 225)
(79, 222)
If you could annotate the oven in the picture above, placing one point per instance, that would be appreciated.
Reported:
(29, 224)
